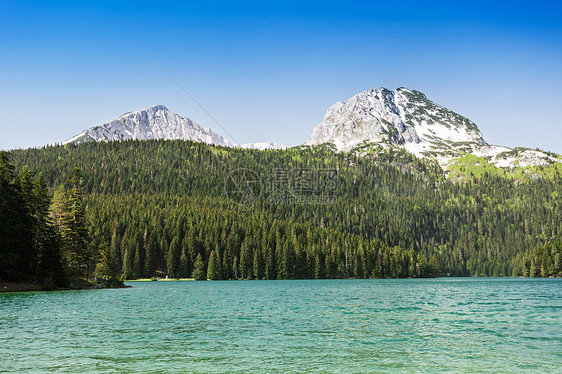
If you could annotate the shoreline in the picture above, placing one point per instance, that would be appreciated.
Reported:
(8, 287)
(17, 287)
(162, 280)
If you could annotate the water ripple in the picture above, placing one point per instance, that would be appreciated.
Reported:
(484, 325)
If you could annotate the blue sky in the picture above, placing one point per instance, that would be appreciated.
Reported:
(268, 72)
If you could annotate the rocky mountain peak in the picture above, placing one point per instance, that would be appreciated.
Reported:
(157, 122)
(397, 117)
(408, 119)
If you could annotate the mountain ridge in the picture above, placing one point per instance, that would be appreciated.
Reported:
(158, 122)
(153, 122)
(402, 118)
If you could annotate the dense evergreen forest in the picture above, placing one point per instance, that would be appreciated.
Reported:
(177, 208)
(43, 235)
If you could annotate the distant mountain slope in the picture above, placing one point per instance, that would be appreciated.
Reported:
(406, 118)
(155, 122)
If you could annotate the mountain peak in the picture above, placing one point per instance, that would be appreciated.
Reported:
(157, 122)
(399, 117)
(408, 119)
(156, 108)
(154, 122)
(152, 108)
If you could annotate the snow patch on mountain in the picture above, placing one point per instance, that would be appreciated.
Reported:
(264, 146)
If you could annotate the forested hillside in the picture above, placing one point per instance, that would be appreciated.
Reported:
(163, 208)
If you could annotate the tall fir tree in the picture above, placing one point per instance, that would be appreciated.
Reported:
(214, 267)
(199, 268)
(76, 231)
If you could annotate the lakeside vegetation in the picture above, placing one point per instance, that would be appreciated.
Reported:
(44, 241)
(156, 208)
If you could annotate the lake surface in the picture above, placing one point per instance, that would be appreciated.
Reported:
(463, 325)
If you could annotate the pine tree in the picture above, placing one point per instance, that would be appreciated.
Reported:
(28, 252)
(107, 269)
(59, 210)
(269, 264)
(151, 256)
(199, 270)
(257, 265)
(187, 255)
(245, 271)
(226, 267)
(139, 260)
(287, 262)
(235, 267)
(51, 269)
(128, 256)
(115, 248)
(41, 215)
(173, 257)
(318, 268)
(214, 267)
(76, 233)
(26, 186)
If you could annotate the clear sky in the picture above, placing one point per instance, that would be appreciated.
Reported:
(267, 71)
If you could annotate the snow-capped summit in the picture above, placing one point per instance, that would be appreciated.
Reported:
(155, 122)
(397, 117)
(406, 118)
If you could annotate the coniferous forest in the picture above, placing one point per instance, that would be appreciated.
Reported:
(141, 209)
(43, 236)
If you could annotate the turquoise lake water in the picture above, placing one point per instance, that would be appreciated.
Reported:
(461, 325)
